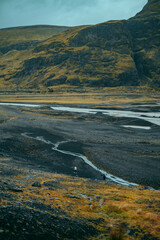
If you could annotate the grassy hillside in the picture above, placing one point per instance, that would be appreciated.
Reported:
(152, 7)
(39, 205)
(111, 54)
(24, 37)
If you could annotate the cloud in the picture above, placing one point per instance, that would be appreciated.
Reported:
(65, 12)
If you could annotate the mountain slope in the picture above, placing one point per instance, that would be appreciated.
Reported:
(21, 38)
(145, 30)
(114, 53)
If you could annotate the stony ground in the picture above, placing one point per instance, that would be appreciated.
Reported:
(131, 154)
(39, 205)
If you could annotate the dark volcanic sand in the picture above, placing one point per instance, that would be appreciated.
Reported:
(132, 154)
(38, 225)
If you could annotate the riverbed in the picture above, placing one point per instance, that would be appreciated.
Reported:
(122, 144)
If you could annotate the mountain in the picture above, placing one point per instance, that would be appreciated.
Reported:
(21, 38)
(110, 54)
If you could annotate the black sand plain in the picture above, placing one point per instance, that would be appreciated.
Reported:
(131, 154)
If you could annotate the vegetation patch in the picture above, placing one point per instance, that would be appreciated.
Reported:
(74, 208)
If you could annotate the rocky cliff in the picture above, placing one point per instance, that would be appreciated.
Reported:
(114, 53)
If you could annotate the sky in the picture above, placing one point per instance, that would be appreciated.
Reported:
(65, 12)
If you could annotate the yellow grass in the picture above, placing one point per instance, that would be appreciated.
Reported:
(88, 96)
(114, 204)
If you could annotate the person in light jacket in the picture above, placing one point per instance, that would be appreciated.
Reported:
(75, 170)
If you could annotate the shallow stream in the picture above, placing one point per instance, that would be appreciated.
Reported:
(56, 146)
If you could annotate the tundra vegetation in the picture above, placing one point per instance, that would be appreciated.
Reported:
(40, 204)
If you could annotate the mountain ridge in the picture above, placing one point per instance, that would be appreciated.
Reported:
(109, 54)
(26, 34)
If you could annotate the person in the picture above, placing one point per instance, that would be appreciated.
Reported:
(75, 170)
(104, 177)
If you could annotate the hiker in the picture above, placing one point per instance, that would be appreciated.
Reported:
(104, 177)
(75, 170)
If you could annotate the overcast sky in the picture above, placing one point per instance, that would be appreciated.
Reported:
(65, 12)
